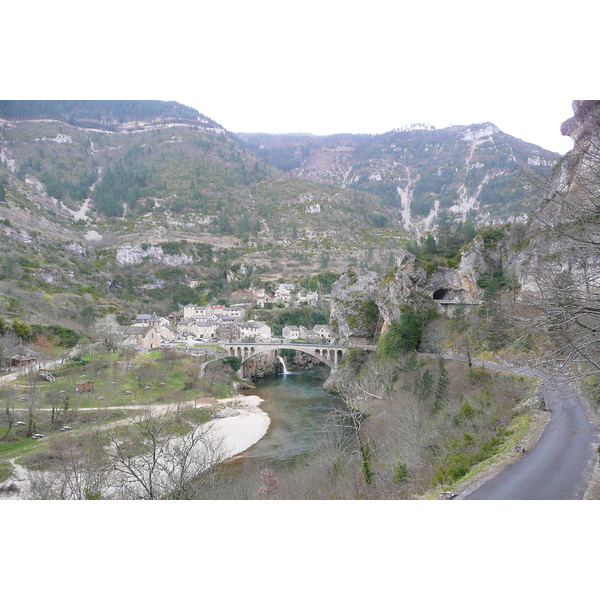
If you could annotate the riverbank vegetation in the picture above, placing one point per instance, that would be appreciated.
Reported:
(411, 425)
(44, 413)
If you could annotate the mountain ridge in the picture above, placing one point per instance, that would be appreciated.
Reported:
(197, 204)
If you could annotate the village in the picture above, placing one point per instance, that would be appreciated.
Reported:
(213, 323)
(195, 326)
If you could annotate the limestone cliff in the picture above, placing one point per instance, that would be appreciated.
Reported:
(364, 303)
(354, 313)
(562, 232)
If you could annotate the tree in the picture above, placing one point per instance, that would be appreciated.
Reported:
(358, 396)
(156, 460)
(8, 342)
(21, 330)
(434, 336)
(81, 470)
(559, 305)
(403, 335)
(443, 387)
(269, 485)
(87, 315)
(108, 330)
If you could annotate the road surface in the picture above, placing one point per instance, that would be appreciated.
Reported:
(559, 466)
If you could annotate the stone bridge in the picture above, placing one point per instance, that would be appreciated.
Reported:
(330, 354)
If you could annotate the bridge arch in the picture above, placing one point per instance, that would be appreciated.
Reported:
(331, 356)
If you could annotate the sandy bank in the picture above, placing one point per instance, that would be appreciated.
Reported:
(241, 425)
(237, 426)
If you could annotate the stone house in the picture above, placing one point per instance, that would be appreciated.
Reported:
(252, 330)
(185, 326)
(284, 292)
(213, 311)
(142, 337)
(324, 332)
(239, 312)
(290, 332)
(21, 356)
(192, 311)
(167, 334)
(310, 298)
(145, 320)
(261, 297)
(225, 328)
(204, 329)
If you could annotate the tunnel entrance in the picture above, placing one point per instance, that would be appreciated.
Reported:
(441, 294)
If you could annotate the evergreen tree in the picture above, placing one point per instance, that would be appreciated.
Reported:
(443, 387)
(424, 385)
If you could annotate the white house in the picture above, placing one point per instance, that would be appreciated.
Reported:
(253, 330)
(290, 332)
(284, 292)
(239, 312)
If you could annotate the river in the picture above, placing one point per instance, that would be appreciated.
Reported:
(298, 407)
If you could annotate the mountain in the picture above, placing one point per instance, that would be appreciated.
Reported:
(471, 171)
(127, 206)
(131, 215)
(103, 114)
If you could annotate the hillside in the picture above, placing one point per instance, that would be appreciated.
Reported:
(102, 114)
(142, 215)
(129, 206)
(471, 171)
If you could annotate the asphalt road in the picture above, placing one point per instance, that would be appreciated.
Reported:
(559, 466)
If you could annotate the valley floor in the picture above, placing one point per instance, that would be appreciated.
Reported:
(240, 424)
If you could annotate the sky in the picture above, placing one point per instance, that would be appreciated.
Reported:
(316, 67)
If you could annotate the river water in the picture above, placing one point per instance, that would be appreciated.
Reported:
(298, 407)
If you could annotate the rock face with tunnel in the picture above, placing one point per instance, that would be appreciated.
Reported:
(359, 292)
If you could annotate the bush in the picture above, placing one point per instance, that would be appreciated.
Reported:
(234, 362)
(403, 335)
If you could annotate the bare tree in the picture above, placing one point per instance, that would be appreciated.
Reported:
(8, 342)
(434, 336)
(358, 396)
(81, 470)
(559, 305)
(154, 459)
(9, 395)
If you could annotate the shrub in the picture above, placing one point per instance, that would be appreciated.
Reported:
(403, 335)
(234, 362)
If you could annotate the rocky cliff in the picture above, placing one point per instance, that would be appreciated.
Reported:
(364, 303)
(562, 232)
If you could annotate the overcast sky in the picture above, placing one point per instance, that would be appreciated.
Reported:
(319, 67)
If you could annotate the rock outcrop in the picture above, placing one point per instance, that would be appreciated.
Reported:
(364, 303)
(354, 312)
(129, 254)
(563, 232)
